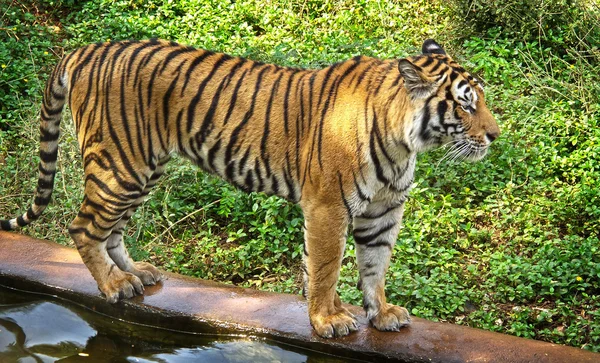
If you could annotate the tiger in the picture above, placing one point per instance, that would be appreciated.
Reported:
(340, 141)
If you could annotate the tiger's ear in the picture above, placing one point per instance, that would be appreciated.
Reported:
(415, 81)
(431, 47)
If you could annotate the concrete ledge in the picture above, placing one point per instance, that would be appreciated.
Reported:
(195, 305)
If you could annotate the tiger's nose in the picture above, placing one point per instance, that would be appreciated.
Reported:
(493, 135)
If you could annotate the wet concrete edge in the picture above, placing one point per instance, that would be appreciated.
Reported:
(194, 305)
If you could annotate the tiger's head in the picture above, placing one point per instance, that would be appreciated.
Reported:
(449, 105)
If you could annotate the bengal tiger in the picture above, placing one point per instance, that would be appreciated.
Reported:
(341, 141)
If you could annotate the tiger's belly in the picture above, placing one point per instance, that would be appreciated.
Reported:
(248, 169)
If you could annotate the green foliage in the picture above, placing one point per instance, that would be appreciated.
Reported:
(21, 62)
(508, 244)
(558, 23)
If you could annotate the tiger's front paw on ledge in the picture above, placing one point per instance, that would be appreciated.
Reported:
(391, 318)
(338, 324)
(146, 272)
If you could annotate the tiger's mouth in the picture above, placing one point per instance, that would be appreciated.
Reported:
(464, 149)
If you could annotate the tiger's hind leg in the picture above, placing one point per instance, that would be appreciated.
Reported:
(115, 246)
(110, 191)
(375, 233)
(90, 231)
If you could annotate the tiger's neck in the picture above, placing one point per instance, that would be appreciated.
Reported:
(392, 152)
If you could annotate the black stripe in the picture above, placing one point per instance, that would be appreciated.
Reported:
(349, 70)
(249, 181)
(194, 102)
(21, 221)
(259, 177)
(436, 67)
(425, 119)
(362, 75)
(361, 194)
(87, 233)
(287, 177)
(274, 185)
(322, 121)
(92, 217)
(442, 108)
(325, 80)
(380, 214)
(383, 77)
(47, 136)
(129, 187)
(31, 215)
(45, 171)
(52, 111)
(403, 188)
(82, 63)
(123, 156)
(5, 225)
(234, 135)
(41, 201)
(373, 152)
(150, 85)
(45, 184)
(266, 129)
(361, 240)
(102, 208)
(139, 117)
(207, 126)
(121, 205)
(311, 83)
(124, 119)
(380, 140)
(105, 155)
(459, 69)
(234, 97)
(193, 66)
(229, 170)
(212, 154)
(453, 77)
(348, 210)
(286, 102)
(48, 157)
(243, 161)
(428, 61)
(173, 54)
(133, 56)
(143, 63)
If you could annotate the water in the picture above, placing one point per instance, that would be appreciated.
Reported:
(43, 329)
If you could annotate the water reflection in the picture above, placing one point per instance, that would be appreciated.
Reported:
(34, 330)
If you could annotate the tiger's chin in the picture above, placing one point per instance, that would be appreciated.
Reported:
(475, 154)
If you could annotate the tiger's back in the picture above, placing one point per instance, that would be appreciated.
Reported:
(260, 126)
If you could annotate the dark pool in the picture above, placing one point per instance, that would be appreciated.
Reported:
(44, 329)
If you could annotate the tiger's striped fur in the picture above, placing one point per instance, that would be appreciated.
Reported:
(342, 141)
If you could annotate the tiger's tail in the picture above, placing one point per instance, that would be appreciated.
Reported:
(50, 116)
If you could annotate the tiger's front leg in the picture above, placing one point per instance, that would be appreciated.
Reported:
(325, 239)
(375, 233)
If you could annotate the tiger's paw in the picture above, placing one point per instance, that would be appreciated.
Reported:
(391, 318)
(121, 285)
(146, 272)
(338, 324)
